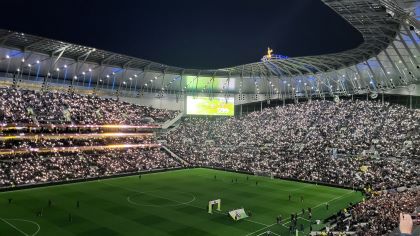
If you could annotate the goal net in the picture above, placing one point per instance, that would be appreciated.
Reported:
(214, 203)
(264, 173)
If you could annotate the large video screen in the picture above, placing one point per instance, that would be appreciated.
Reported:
(216, 106)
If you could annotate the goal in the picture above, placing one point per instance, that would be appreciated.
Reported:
(264, 173)
(212, 204)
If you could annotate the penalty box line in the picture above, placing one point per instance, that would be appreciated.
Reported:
(323, 203)
(285, 223)
(14, 227)
(180, 203)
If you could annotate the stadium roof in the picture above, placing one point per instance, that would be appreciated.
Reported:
(384, 24)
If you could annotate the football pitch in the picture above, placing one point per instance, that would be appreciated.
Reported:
(168, 203)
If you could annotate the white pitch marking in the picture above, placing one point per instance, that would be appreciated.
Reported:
(284, 224)
(29, 221)
(16, 228)
(180, 203)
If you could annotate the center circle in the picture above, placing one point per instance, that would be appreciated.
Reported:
(161, 198)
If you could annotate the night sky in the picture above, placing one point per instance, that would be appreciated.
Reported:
(199, 34)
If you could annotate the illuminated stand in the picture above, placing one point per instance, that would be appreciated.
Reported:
(211, 203)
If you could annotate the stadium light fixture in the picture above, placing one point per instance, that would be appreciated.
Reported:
(135, 75)
(18, 69)
(29, 65)
(23, 59)
(130, 78)
(65, 66)
(83, 73)
(37, 62)
(145, 85)
(75, 77)
(124, 82)
(58, 69)
(107, 76)
(90, 70)
(7, 57)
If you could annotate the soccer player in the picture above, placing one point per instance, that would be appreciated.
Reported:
(139, 177)
(78, 204)
(290, 196)
(247, 177)
(70, 218)
(10, 200)
(326, 205)
(215, 177)
(303, 211)
(49, 203)
(301, 199)
(236, 180)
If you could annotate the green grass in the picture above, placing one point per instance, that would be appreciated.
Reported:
(167, 203)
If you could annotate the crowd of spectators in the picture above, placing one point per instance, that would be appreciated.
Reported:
(26, 106)
(360, 144)
(351, 143)
(34, 168)
(378, 215)
(76, 141)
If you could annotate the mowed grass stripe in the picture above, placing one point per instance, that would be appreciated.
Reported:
(106, 211)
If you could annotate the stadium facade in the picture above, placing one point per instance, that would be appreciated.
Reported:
(387, 62)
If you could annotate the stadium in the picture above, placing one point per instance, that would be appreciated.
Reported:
(95, 142)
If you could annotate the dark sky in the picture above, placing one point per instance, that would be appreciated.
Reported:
(187, 33)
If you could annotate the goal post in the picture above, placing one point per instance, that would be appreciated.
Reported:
(264, 174)
(212, 203)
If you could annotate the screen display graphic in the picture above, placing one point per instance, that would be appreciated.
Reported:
(216, 106)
